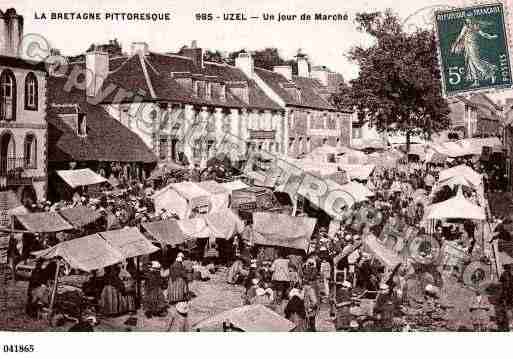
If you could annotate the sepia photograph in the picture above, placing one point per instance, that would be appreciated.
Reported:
(233, 166)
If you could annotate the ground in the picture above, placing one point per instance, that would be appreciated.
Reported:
(216, 296)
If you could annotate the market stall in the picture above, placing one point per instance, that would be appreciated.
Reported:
(96, 251)
(80, 216)
(219, 195)
(248, 318)
(42, 222)
(461, 170)
(280, 230)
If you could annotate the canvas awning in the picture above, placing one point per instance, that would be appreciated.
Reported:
(167, 198)
(281, 230)
(81, 177)
(234, 185)
(456, 207)
(455, 181)
(166, 232)
(80, 216)
(129, 241)
(359, 191)
(43, 222)
(359, 172)
(224, 224)
(461, 170)
(173, 232)
(248, 318)
(219, 196)
(195, 195)
(86, 253)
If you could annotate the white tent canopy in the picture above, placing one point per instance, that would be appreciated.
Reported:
(455, 181)
(360, 172)
(81, 177)
(456, 207)
(461, 170)
(359, 191)
(234, 185)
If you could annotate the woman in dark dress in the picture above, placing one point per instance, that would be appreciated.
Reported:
(154, 302)
(178, 289)
(112, 293)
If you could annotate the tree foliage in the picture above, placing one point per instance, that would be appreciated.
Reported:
(399, 80)
(266, 58)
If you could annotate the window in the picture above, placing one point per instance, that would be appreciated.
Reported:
(81, 125)
(30, 152)
(31, 98)
(8, 96)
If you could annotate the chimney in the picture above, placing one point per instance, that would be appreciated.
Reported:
(11, 32)
(244, 62)
(97, 65)
(284, 70)
(139, 48)
(194, 53)
(302, 65)
(321, 73)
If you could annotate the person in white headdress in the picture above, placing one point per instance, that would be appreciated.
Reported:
(179, 319)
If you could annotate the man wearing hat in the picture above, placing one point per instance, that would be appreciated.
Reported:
(179, 321)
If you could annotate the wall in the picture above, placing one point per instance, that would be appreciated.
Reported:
(308, 129)
(33, 122)
(193, 125)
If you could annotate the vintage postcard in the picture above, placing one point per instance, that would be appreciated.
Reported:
(280, 166)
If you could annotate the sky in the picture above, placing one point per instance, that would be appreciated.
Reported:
(326, 43)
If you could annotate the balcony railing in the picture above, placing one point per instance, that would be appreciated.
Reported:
(13, 167)
(262, 134)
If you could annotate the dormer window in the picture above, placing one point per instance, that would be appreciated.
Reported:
(81, 125)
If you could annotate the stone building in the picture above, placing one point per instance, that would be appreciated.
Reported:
(476, 114)
(184, 107)
(23, 125)
(310, 118)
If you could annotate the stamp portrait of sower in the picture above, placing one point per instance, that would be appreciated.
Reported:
(473, 49)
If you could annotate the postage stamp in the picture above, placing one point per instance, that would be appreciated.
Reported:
(473, 49)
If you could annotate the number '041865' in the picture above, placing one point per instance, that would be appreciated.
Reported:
(18, 348)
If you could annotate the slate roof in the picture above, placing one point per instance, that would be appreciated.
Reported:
(106, 140)
(20, 63)
(152, 75)
(311, 90)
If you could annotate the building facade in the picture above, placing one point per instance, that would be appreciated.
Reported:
(183, 107)
(475, 115)
(310, 119)
(23, 124)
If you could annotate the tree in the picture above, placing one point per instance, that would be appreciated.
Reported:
(398, 86)
(214, 56)
(266, 59)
